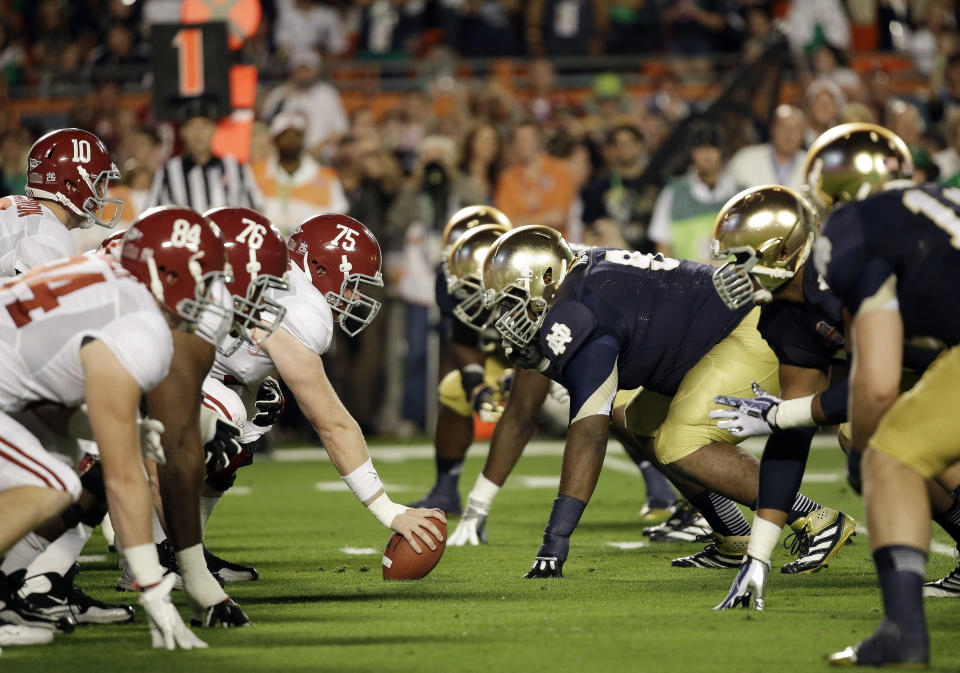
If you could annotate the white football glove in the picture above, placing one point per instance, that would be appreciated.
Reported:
(167, 630)
(150, 444)
(558, 393)
(749, 416)
(472, 528)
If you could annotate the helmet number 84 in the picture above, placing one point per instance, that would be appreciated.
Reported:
(185, 235)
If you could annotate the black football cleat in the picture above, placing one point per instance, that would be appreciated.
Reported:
(225, 614)
(685, 524)
(447, 502)
(945, 587)
(227, 571)
(889, 647)
(54, 596)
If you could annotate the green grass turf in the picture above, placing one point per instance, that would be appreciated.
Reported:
(318, 609)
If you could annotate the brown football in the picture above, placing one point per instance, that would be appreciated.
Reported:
(401, 562)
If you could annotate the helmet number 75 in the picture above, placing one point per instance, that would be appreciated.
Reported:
(346, 239)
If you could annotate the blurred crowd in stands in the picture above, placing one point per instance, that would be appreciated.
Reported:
(549, 148)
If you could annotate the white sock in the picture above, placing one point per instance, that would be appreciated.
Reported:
(198, 583)
(106, 527)
(763, 539)
(158, 533)
(22, 554)
(62, 552)
(207, 503)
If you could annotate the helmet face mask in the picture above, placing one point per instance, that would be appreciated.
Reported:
(178, 254)
(464, 271)
(769, 233)
(342, 258)
(73, 168)
(522, 272)
(257, 258)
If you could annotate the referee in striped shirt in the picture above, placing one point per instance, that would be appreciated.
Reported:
(198, 179)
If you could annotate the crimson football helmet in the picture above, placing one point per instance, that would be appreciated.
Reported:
(73, 168)
(112, 244)
(257, 255)
(179, 255)
(339, 254)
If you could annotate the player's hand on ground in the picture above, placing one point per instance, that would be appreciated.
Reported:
(545, 566)
(151, 447)
(748, 416)
(472, 528)
(486, 403)
(751, 582)
(167, 629)
(225, 614)
(413, 525)
(223, 448)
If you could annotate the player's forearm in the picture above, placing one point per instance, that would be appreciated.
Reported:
(583, 457)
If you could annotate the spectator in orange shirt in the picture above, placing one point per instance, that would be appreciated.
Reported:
(536, 188)
(294, 185)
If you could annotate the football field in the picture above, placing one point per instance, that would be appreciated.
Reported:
(321, 604)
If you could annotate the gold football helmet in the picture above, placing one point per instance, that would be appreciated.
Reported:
(852, 161)
(468, 218)
(521, 274)
(769, 232)
(465, 271)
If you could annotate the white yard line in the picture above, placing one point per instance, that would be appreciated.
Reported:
(239, 490)
(359, 551)
(92, 558)
(627, 545)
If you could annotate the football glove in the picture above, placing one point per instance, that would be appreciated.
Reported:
(750, 415)
(472, 528)
(486, 403)
(167, 630)
(558, 393)
(269, 403)
(224, 447)
(528, 357)
(751, 581)
(150, 444)
(225, 614)
(545, 566)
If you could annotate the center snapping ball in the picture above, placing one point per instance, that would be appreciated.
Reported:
(401, 562)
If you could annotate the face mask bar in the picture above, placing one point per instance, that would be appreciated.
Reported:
(210, 314)
(97, 202)
(732, 280)
(471, 310)
(359, 310)
(247, 313)
(515, 324)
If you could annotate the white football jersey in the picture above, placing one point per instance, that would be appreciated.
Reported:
(30, 235)
(309, 319)
(47, 313)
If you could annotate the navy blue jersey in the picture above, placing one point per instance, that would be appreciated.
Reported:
(659, 316)
(910, 235)
(805, 334)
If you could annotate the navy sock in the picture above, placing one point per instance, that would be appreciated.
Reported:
(901, 570)
(950, 521)
(564, 517)
(448, 473)
(660, 493)
(721, 513)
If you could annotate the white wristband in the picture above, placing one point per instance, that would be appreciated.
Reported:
(763, 539)
(484, 490)
(796, 413)
(364, 481)
(144, 564)
(386, 510)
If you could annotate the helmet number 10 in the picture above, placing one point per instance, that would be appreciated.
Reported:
(81, 150)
